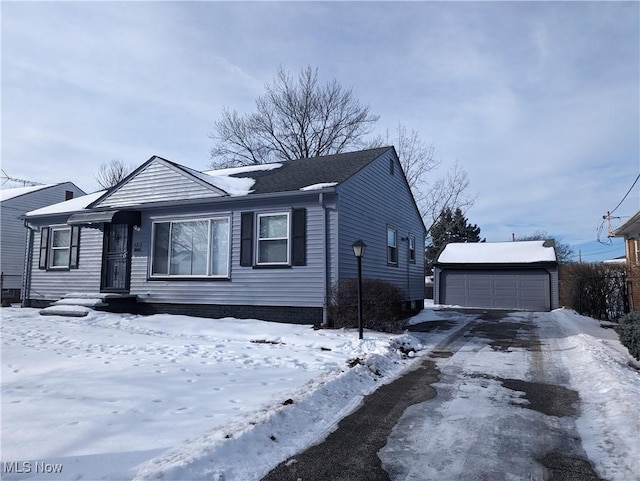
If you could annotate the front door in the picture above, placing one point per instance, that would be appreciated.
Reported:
(116, 261)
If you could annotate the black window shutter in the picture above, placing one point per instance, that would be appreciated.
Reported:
(75, 247)
(44, 247)
(299, 237)
(246, 239)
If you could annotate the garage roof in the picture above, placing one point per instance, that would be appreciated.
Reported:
(520, 252)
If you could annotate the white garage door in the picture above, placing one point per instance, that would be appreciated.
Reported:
(508, 289)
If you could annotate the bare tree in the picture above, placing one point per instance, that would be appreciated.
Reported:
(448, 192)
(416, 157)
(564, 252)
(112, 173)
(294, 119)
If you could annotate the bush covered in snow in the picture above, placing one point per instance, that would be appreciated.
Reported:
(629, 331)
(382, 305)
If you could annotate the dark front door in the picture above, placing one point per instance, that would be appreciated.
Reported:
(116, 261)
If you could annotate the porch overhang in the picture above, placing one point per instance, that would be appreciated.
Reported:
(129, 217)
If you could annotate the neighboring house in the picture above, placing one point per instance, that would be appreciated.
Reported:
(265, 241)
(630, 230)
(13, 204)
(502, 275)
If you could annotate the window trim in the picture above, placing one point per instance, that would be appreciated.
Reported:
(175, 220)
(52, 249)
(258, 239)
(390, 261)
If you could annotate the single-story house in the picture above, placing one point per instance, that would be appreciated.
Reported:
(14, 203)
(630, 230)
(498, 275)
(265, 241)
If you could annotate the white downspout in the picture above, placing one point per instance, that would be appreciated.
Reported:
(28, 264)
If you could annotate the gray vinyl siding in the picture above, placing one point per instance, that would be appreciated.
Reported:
(13, 241)
(53, 285)
(555, 288)
(158, 181)
(290, 286)
(368, 202)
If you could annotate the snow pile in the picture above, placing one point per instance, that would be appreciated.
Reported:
(609, 392)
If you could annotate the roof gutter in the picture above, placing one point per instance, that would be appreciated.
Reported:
(216, 200)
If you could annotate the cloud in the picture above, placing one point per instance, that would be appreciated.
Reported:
(537, 100)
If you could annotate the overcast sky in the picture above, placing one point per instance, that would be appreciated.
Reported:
(539, 102)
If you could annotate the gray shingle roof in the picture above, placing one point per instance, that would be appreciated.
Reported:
(296, 174)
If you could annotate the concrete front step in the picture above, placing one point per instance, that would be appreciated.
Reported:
(81, 303)
(86, 302)
(65, 310)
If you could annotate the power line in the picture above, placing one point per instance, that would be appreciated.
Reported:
(625, 195)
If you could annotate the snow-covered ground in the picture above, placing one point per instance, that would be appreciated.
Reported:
(117, 396)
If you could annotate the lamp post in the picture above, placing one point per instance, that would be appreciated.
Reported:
(358, 249)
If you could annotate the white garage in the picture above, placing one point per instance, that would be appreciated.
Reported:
(500, 275)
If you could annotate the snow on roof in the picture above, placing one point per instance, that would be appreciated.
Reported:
(522, 252)
(6, 194)
(234, 186)
(243, 170)
(321, 185)
(73, 205)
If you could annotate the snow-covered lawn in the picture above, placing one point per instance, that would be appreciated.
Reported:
(117, 396)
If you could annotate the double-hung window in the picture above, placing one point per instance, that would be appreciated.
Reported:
(273, 238)
(59, 247)
(412, 248)
(191, 248)
(392, 246)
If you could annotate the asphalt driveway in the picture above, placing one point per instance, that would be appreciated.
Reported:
(428, 424)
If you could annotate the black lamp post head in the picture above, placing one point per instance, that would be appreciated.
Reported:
(358, 248)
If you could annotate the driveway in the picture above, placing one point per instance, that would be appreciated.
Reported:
(491, 402)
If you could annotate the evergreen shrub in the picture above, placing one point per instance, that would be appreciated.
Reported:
(628, 330)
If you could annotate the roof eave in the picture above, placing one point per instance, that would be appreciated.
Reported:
(496, 265)
(630, 228)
